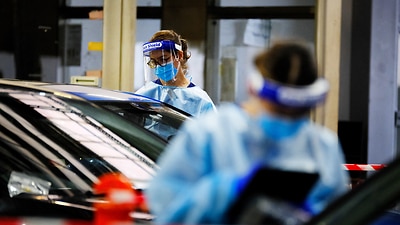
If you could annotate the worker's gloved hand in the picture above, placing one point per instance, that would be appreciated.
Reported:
(242, 182)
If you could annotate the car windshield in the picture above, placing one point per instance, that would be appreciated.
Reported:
(147, 142)
(41, 136)
(153, 116)
(160, 118)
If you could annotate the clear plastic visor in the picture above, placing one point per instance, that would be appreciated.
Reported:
(289, 95)
(157, 54)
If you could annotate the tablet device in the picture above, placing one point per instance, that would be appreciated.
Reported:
(287, 186)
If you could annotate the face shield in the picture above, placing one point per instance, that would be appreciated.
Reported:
(288, 95)
(160, 60)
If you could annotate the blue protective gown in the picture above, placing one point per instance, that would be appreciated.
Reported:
(191, 99)
(200, 167)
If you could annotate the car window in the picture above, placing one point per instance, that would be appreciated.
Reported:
(42, 133)
(147, 142)
(154, 116)
(157, 117)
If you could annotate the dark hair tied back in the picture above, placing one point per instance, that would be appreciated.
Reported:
(173, 36)
(289, 63)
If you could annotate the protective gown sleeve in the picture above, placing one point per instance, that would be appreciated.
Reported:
(334, 180)
(192, 100)
(184, 191)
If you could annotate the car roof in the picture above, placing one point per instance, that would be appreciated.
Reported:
(90, 93)
(30, 86)
(98, 94)
(86, 92)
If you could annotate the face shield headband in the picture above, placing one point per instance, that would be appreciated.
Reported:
(291, 96)
(160, 45)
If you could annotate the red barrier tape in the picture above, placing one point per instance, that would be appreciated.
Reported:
(363, 167)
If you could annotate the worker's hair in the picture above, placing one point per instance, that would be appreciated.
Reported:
(173, 36)
(287, 62)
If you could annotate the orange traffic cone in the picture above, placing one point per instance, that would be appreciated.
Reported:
(120, 200)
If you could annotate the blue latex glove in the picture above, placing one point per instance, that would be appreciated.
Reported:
(242, 182)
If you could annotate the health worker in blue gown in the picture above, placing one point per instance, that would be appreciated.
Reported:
(166, 74)
(205, 167)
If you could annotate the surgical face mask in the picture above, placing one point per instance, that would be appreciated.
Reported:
(167, 72)
(279, 128)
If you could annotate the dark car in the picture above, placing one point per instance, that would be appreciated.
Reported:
(158, 117)
(53, 148)
(373, 202)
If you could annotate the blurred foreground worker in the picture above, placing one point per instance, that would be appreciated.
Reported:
(166, 56)
(204, 167)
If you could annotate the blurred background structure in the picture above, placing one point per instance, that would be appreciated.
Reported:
(98, 42)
